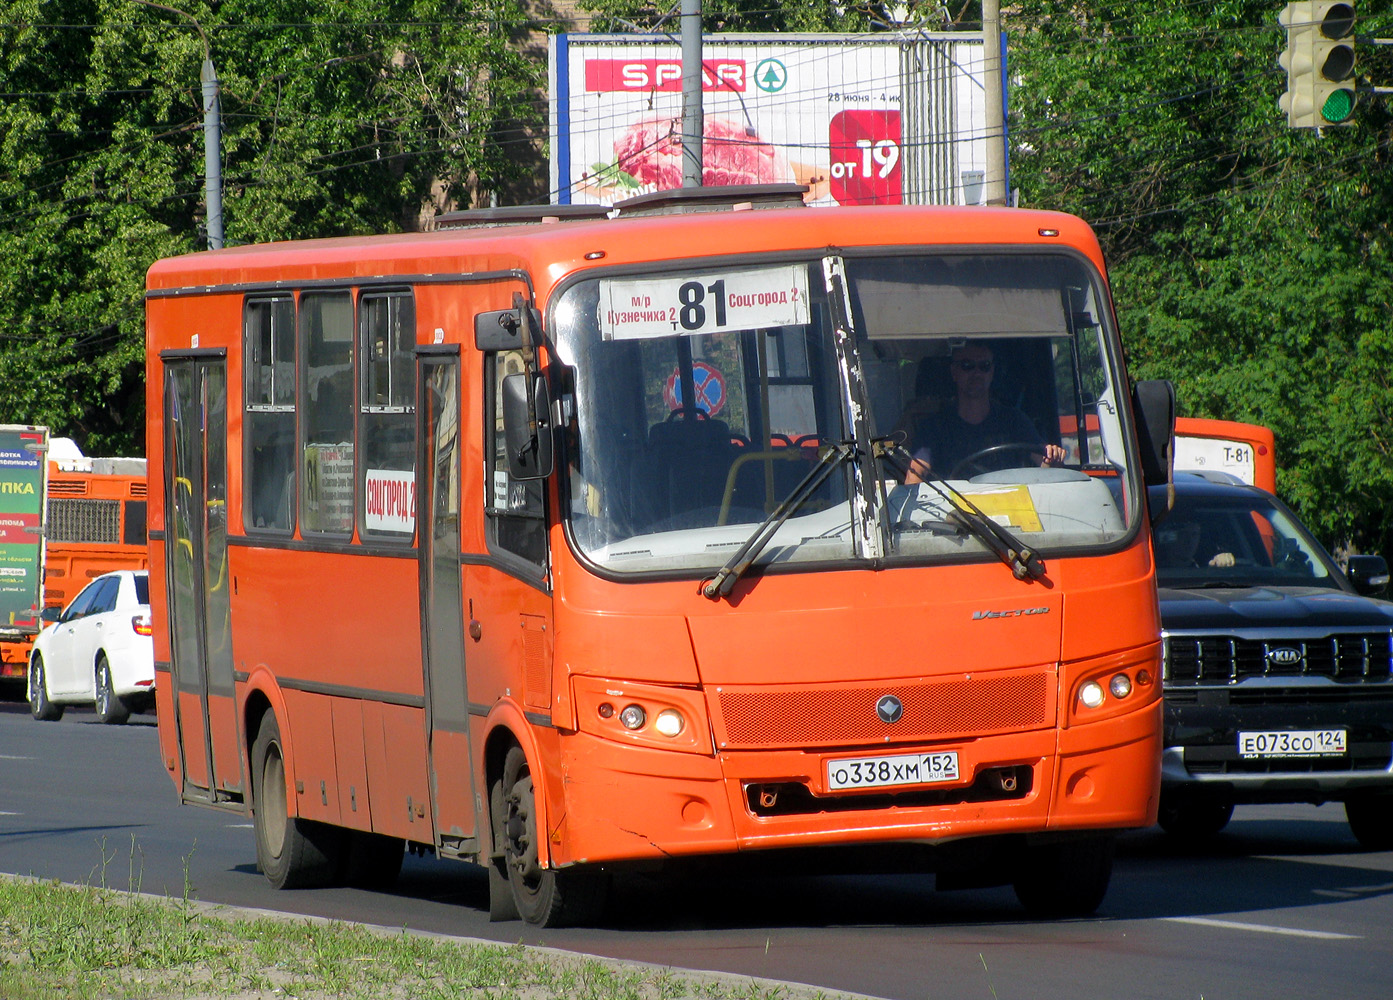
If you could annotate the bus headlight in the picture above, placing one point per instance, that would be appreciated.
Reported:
(1120, 686)
(1091, 694)
(633, 717)
(669, 722)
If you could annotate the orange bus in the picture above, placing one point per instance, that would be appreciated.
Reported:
(1247, 451)
(562, 543)
(94, 523)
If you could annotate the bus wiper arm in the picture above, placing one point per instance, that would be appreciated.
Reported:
(1024, 561)
(725, 579)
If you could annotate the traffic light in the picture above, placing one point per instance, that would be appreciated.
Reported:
(1319, 60)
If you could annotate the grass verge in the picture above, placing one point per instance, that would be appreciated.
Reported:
(96, 943)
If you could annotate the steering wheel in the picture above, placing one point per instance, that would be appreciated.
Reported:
(1026, 448)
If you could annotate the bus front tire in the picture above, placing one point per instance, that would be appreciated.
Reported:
(292, 853)
(40, 707)
(1068, 878)
(544, 897)
(1193, 817)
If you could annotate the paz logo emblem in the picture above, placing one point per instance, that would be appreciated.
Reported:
(889, 708)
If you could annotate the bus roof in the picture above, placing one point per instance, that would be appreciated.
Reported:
(549, 251)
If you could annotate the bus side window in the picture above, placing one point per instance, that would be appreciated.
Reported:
(516, 516)
(326, 472)
(269, 394)
(387, 414)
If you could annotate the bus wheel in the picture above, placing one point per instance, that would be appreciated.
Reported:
(1064, 879)
(292, 853)
(39, 705)
(544, 897)
(1371, 820)
(110, 708)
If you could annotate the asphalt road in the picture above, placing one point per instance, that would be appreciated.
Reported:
(1281, 905)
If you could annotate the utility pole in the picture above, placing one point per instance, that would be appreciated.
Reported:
(995, 180)
(212, 153)
(693, 121)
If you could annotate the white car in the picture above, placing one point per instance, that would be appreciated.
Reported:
(98, 651)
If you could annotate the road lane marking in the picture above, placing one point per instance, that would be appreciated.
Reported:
(1235, 925)
(10, 756)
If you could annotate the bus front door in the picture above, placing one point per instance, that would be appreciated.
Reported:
(196, 573)
(454, 804)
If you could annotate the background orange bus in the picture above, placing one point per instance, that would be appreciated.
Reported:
(1247, 451)
(561, 543)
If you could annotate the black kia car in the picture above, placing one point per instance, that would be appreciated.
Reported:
(1278, 665)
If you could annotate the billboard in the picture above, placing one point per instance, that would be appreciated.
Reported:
(859, 119)
(23, 472)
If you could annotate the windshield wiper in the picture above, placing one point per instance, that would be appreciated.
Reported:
(1023, 560)
(725, 579)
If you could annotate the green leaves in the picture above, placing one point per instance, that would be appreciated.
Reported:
(338, 116)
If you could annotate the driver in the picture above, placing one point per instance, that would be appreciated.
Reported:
(976, 423)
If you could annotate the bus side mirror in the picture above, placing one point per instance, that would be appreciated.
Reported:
(1153, 401)
(527, 431)
(1367, 574)
(506, 329)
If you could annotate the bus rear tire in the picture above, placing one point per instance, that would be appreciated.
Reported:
(292, 853)
(40, 707)
(1065, 879)
(544, 897)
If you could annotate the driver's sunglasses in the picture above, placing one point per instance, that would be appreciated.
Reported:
(971, 366)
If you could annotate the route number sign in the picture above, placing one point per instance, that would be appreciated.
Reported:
(706, 303)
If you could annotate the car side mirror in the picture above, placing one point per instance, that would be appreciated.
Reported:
(1367, 574)
(1153, 401)
(527, 430)
(50, 614)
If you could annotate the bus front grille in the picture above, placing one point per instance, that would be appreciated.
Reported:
(842, 715)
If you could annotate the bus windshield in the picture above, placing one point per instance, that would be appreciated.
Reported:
(698, 401)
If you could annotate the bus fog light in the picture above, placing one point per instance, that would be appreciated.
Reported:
(633, 717)
(1120, 686)
(1091, 694)
(669, 722)
(606, 710)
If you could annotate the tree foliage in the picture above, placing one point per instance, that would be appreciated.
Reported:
(1250, 262)
(338, 116)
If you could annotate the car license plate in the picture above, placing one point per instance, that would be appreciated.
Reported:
(1292, 743)
(900, 769)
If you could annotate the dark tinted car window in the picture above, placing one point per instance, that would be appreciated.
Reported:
(1242, 540)
(142, 589)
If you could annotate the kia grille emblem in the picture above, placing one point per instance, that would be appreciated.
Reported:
(889, 708)
(1284, 656)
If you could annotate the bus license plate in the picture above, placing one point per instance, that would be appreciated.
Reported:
(1292, 743)
(884, 772)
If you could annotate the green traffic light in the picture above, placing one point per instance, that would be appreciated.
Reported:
(1338, 106)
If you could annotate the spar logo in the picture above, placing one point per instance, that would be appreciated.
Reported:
(644, 75)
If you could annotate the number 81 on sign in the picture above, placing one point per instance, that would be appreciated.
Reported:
(703, 303)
